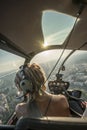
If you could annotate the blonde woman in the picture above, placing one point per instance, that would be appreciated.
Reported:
(30, 79)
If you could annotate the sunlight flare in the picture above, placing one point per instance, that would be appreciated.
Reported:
(45, 44)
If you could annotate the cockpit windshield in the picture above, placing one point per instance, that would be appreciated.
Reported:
(75, 71)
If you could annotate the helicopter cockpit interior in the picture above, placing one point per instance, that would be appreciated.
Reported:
(53, 34)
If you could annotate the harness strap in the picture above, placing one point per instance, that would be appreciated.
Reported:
(48, 106)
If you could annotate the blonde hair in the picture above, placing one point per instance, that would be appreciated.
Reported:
(36, 74)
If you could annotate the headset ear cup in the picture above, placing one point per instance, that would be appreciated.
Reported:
(26, 86)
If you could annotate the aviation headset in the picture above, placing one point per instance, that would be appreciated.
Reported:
(25, 83)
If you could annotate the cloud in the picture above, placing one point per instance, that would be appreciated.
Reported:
(58, 37)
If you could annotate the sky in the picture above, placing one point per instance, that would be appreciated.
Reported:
(55, 28)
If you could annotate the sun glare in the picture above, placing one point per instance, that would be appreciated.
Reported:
(45, 44)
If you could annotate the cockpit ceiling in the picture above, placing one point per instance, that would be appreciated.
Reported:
(20, 21)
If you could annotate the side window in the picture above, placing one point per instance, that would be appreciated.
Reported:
(9, 64)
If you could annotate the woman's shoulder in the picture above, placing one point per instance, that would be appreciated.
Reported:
(21, 109)
(20, 105)
(59, 97)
